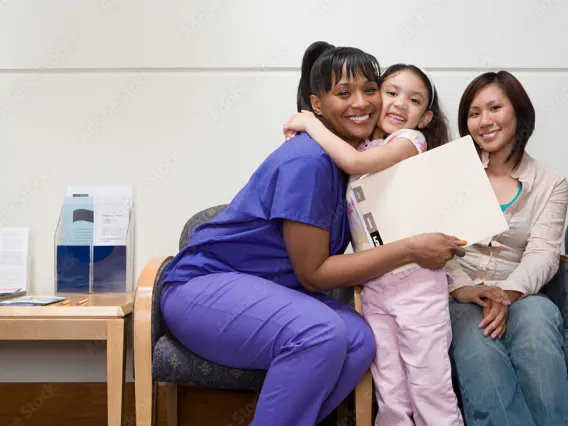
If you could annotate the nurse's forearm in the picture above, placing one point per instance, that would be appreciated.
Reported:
(347, 270)
(308, 248)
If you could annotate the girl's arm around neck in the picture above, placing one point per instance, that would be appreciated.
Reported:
(356, 162)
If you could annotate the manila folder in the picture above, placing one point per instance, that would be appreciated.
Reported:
(443, 190)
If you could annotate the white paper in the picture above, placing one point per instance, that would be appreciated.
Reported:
(14, 246)
(6, 291)
(112, 212)
(112, 220)
(443, 190)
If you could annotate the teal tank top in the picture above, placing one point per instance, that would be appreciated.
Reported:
(509, 204)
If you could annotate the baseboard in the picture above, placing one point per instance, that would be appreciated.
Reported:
(84, 404)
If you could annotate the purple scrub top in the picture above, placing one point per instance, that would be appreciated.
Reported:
(298, 182)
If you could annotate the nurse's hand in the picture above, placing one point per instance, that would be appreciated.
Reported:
(433, 250)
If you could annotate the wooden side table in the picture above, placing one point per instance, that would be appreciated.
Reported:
(103, 317)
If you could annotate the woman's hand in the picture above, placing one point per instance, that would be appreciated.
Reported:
(476, 294)
(495, 320)
(299, 123)
(433, 250)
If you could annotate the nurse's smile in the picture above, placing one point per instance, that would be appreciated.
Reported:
(351, 108)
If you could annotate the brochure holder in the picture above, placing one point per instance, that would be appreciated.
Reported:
(94, 247)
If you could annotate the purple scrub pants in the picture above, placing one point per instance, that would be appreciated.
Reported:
(314, 347)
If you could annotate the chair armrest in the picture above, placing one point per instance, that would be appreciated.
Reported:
(357, 298)
(143, 315)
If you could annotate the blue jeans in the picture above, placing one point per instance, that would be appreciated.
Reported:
(519, 380)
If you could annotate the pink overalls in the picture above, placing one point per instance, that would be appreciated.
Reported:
(407, 310)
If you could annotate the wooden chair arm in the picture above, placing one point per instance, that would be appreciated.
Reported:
(357, 298)
(564, 257)
(143, 316)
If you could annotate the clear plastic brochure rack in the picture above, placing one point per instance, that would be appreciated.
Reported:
(94, 246)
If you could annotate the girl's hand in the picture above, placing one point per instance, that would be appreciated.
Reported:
(298, 123)
(289, 134)
(477, 294)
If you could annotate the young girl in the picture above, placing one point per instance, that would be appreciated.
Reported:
(408, 308)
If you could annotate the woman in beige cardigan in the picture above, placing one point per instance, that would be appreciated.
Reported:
(509, 358)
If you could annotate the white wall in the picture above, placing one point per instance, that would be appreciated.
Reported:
(183, 99)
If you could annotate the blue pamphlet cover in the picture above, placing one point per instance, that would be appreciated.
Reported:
(73, 266)
(78, 221)
(109, 269)
(32, 301)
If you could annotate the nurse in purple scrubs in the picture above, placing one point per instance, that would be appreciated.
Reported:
(247, 290)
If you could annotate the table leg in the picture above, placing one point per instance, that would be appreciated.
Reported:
(116, 360)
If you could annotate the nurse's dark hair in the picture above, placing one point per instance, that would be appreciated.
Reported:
(524, 109)
(322, 65)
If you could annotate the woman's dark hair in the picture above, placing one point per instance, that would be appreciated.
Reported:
(323, 63)
(437, 132)
(522, 105)
(313, 52)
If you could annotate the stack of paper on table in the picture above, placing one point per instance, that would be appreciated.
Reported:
(9, 293)
(32, 300)
(443, 190)
(14, 261)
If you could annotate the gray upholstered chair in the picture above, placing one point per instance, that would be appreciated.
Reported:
(159, 357)
(557, 291)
